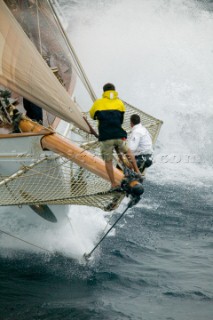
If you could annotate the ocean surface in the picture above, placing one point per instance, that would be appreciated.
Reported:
(158, 262)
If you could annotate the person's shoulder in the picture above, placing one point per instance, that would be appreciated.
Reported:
(120, 104)
(95, 107)
(143, 130)
(139, 129)
(119, 100)
(97, 102)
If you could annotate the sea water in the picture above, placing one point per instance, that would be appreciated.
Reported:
(157, 264)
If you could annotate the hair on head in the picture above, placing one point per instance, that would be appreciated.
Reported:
(108, 86)
(135, 119)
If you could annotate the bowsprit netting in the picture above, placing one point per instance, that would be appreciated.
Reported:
(56, 180)
(152, 124)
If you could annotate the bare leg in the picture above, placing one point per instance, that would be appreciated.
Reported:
(132, 160)
(109, 169)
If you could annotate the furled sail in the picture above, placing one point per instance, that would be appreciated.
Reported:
(23, 70)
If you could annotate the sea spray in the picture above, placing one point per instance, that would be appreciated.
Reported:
(159, 55)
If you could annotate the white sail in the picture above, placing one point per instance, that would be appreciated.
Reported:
(23, 70)
(29, 174)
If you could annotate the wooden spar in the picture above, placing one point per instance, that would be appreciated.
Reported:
(66, 148)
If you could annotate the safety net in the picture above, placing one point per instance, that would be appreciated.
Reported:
(56, 180)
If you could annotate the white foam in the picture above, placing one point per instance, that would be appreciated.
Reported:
(159, 54)
(73, 235)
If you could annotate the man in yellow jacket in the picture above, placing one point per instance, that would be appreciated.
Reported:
(109, 111)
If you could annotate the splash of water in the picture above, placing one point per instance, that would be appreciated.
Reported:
(160, 56)
(73, 235)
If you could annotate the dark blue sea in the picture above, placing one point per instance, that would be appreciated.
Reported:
(158, 262)
(157, 266)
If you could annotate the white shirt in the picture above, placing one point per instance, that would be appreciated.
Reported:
(140, 141)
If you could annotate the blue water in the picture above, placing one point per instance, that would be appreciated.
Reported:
(158, 266)
(158, 263)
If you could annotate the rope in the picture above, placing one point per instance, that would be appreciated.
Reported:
(130, 204)
(79, 67)
(31, 244)
(21, 171)
(91, 128)
(39, 32)
(11, 192)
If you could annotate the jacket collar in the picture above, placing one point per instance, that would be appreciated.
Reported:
(136, 126)
(110, 94)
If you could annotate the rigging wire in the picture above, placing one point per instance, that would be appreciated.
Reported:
(27, 242)
(130, 204)
(70, 224)
(79, 67)
(38, 22)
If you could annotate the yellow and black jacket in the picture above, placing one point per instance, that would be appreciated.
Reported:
(109, 111)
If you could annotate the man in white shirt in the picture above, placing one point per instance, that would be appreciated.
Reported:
(140, 143)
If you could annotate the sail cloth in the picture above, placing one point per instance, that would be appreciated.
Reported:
(23, 70)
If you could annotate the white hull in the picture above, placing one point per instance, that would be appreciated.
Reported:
(28, 215)
(20, 156)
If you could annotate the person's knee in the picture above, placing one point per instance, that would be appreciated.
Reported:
(143, 163)
(107, 156)
(148, 163)
(108, 162)
(106, 153)
(122, 146)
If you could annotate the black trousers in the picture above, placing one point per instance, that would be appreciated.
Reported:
(33, 111)
(143, 161)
